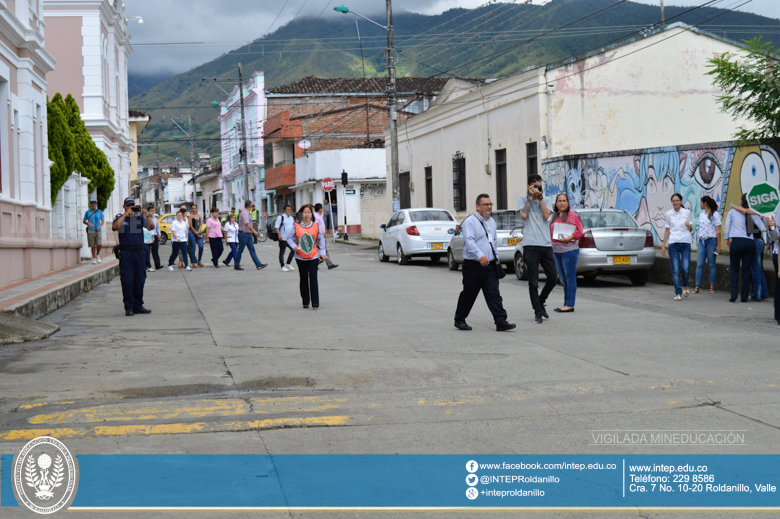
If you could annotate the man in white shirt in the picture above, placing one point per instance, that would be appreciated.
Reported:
(679, 238)
(285, 225)
(318, 210)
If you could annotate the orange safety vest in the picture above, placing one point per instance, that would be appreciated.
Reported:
(307, 239)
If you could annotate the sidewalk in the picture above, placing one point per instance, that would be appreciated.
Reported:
(34, 298)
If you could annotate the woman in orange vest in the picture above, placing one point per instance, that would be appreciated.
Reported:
(308, 242)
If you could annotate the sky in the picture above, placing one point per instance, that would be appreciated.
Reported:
(227, 24)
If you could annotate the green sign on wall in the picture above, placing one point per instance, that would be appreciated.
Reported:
(763, 198)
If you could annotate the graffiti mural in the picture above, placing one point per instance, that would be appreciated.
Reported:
(642, 182)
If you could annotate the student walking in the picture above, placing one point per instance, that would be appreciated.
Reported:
(156, 233)
(308, 242)
(195, 237)
(566, 249)
(678, 238)
(179, 236)
(709, 241)
(214, 236)
(148, 239)
(231, 238)
(774, 238)
(285, 225)
(738, 232)
(245, 233)
(537, 246)
(94, 221)
(480, 267)
(318, 210)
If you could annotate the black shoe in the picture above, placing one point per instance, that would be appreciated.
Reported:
(543, 312)
(238, 268)
(306, 306)
(158, 267)
(505, 326)
(142, 310)
(332, 266)
(226, 263)
(563, 311)
(262, 266)
(538, 319)
(462, 326)
(744, 300)
(315, 306)
(732, 299)
(129, 312)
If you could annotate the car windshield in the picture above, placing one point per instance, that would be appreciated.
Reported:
(506, 220)
(593, 219)
(430, 215)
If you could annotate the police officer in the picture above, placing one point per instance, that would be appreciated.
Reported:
(480, 267)
(254, 220)
(132, 263)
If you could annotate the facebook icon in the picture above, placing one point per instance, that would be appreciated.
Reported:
(472, 466)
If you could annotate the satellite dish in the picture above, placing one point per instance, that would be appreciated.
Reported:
(304, 144)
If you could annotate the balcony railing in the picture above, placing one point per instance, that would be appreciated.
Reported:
(286, 162)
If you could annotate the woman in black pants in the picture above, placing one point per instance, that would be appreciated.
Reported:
(739, 238)
(308, 242)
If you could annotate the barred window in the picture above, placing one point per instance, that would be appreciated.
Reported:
(459, 181)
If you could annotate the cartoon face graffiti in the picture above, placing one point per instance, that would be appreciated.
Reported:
(759, 168)
(595, 185)
(707, 170)
(660, 173)
(574, 187)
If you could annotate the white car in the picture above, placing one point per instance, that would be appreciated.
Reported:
(417, 232)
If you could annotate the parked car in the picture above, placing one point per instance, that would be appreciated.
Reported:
(416, 232)
(165, 222)
(506, 222)
(612, 243)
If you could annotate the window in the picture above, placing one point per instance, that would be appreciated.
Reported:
(594, 219)
(530, 151)
(405, 193)
(168, 219)
(393, 221)
(459, 181)
(501, 187)
(268, 155)
(400, 219)
(429, 187)
(430, 216)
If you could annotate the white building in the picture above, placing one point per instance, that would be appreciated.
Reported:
(362, 201)
(624, 100)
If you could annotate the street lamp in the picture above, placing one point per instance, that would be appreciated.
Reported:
(136, 18)
(391, 95)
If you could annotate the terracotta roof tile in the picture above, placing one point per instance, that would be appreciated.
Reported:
(318, 85)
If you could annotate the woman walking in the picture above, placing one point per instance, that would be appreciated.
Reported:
(742, 249)
(231, 237)
(179, 230)
(678, 237)
(195, 237)
(709, 241)
(566, 249)
(214, 236)
(308, 242)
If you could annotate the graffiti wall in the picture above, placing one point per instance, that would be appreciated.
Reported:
(642, 182)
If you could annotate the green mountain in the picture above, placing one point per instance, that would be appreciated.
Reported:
(488, 42)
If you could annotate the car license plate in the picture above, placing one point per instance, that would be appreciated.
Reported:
(437, 246)
(621, 260)
(513, 241)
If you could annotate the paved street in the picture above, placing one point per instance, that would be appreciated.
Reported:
(229, 362)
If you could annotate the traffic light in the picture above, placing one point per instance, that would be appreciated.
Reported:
(344, 179)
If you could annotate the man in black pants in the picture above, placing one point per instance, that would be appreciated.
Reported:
(480, 264)
(537, 246)
(285, 224)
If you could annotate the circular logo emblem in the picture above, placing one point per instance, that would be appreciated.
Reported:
(306, 243)
(472, 466)
(45, 475)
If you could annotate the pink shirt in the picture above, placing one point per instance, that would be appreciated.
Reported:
(571, 219)
(213, 228)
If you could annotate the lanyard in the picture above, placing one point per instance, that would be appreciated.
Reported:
(489, 238)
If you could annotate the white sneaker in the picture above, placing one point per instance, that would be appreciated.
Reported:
(285, 269)
(290, 267)
(189, 268)
(94, 261)
(150, 269)
(98, 258)
(170, 267)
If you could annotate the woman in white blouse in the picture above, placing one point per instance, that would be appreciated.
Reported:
(709, 241)
(231, 237)
(179, 234)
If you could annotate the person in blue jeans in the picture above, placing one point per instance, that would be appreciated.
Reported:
(245, 233)
(195, 237)
(678, 238)
(709, 241)
(566, 249)
(760, 287)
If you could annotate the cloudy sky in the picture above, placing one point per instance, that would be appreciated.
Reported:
(226, 24)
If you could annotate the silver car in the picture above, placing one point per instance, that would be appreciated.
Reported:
(612, 243)
(507, 221)
(416, 232)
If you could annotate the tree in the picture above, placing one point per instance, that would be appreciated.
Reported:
(751, 88)
(60, 139)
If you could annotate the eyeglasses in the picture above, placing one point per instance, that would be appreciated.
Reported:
(489, 204)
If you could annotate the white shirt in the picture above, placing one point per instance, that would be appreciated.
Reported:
(709, 228)
(285, 224)
(179, 230)
(231, 230)
(675, 222)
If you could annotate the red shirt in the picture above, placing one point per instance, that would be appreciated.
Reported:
(572, 219)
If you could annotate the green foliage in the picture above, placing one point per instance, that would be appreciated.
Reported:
(59, 138)
(750, 81)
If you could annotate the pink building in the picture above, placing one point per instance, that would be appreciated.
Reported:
(26, 245)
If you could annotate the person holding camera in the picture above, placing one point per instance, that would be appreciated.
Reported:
(132, 256)
(537, 246)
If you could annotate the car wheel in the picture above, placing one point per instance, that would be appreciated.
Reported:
(402, 258)
(436, 258)
(163, 238)
(451, 263)
(520, 267)
(382, 256)
(639, 278)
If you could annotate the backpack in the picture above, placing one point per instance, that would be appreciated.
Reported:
(272, 230)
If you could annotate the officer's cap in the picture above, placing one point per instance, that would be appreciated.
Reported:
(129, 201)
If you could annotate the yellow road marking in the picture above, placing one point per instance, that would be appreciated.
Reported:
(39, 404)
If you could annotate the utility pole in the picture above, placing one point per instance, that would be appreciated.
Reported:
(391, 93)
(243, 134)
(663, 18)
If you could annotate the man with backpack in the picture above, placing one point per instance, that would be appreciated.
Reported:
(94, 221)
(284, 226)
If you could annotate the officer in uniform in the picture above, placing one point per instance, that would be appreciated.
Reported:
(254, 221)
(132, 263)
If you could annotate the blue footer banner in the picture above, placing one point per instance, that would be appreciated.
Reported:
(401, 481)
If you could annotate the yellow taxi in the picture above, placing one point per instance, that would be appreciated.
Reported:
(165, 222)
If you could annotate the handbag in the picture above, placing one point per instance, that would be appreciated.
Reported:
(499, 269)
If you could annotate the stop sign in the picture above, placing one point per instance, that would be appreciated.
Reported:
(763, 198)
(328, 185)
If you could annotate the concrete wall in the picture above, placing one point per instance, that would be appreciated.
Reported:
(374, 209)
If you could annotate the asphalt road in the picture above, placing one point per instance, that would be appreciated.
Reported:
(229, 362)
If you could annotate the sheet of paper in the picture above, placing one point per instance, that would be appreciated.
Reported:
(563, 229)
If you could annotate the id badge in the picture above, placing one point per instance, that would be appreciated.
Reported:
(490, 239)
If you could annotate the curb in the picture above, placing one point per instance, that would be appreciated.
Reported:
(15, 330)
